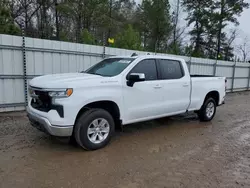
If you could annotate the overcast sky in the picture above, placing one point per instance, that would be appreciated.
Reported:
(244, 19)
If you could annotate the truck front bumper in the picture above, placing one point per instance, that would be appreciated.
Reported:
(44, 125)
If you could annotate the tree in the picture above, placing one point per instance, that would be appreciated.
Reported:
(176, 44)
(199, 12)
(128, 39)
(7, 25)
(45, 19)
(23, 11)
(244, 49)
(87, 38)
(155, 21)
(209, 19)
(228, 47)
(119, 14)
(148, 26)
(227, 12)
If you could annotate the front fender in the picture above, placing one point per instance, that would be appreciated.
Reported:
(79, 99)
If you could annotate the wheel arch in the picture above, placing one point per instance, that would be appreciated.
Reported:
(108, 105)
(213, 94)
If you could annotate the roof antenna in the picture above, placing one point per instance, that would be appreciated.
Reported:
(134, 54)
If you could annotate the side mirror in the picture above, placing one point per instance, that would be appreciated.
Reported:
(135, 77)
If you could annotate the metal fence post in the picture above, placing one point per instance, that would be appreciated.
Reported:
(24, 66)
(189, 65)
(248, 82)
(215, 66)
(104, 45)
(233, 76)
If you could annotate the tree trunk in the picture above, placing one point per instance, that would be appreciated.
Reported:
(175, 26)
(78, 30)
(220, 28)
(46, 28)
(198, 40)
(198, 34)
(79, 22)
(57, 22)
(26, 17)
(110, 16)
(227, 54)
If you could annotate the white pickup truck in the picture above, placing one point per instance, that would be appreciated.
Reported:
(88, 105)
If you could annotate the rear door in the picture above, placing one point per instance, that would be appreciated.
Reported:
(175, 85)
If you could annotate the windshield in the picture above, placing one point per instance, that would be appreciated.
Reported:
(110, 67)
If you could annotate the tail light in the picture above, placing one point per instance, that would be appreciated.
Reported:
(225, 84)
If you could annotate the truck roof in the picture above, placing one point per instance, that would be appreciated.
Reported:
(150, 56)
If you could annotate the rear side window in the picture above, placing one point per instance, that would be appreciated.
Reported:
(170, 69)
(148, 67)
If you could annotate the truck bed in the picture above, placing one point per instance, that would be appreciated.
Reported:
(198, 75)
(203, 84)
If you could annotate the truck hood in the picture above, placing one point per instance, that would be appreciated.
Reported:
(65, 80)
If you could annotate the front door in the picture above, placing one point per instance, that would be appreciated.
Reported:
(145, 99)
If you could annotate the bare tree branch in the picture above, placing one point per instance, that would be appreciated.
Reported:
(244, 49)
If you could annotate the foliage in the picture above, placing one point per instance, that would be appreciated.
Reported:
(87, 38)
(209, 19)
(128, 39)
(154, 19)
(198, 17)
(7, 25)
(227, 12)
(149, 26)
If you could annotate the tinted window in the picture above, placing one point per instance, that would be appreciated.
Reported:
(170, 69)
(148, 67)
(110, 67)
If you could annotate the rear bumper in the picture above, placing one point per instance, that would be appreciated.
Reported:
(44, 125)
(223, 102)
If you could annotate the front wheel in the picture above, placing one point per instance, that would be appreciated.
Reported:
(208, 110)
(93, 129)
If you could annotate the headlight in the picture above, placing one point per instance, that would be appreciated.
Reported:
(31, 91)
(61, 93)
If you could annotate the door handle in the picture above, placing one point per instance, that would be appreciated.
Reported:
(157, 86)
(185, 85)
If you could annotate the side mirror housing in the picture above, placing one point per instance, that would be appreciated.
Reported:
(135, 77)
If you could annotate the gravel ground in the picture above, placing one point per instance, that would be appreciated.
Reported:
(170, 152)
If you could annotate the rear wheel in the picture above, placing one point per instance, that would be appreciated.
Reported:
(93, 129)
(208, 110)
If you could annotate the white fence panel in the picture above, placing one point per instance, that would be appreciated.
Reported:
(241, 72)
(229, 84)
(224, 71)
(240, 84)
(202, 69)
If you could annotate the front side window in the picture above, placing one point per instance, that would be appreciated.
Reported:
(170, 69)
(148, 67)
(110, 67)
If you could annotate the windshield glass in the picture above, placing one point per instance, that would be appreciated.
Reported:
(110, 67)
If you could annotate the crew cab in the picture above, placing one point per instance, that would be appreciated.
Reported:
(87, 105)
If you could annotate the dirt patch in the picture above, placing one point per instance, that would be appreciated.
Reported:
(170, 152)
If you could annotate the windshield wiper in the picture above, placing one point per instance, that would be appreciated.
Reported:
(93, 73)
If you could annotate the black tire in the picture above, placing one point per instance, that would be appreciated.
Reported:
(82, 124)
(72, 141)
(202, 112)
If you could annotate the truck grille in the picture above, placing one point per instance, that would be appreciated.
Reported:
(42, 102)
